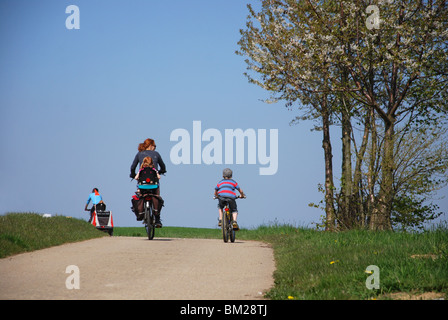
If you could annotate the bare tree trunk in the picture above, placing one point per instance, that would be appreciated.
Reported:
(357, 177)
(346, 217)
(329, 185)
(380, 219)
(371, 180)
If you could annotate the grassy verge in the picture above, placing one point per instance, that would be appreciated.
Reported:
(22, 232)
(183, 232)
(321, 265)
(169, 232)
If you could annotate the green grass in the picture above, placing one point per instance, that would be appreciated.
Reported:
(169, 232)
(183, 232)
(320, 265)
(23, 232)
(310, 264)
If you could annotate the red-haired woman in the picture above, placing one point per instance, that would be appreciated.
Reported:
(148, 149)
(148, 182)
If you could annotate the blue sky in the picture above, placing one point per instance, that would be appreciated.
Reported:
(75, 104)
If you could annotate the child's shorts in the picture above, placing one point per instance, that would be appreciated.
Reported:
(232, 203)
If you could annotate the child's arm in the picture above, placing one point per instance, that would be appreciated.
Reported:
(216, 192)
(241, 192)
(87, 204)
(157, 173)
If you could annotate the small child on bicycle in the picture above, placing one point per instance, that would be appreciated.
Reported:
(226, 189)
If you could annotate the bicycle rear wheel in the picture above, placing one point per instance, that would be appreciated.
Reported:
(225, 227)
(149, 221)
(231, 231)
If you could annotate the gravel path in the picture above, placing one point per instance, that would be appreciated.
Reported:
(136, 268)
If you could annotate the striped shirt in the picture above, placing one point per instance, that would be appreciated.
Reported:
(226, 188)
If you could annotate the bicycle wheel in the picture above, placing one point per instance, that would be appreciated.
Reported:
(231, 231)
(225, 227)
(150, 230)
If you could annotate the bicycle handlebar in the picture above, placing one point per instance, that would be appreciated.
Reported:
(238, 197)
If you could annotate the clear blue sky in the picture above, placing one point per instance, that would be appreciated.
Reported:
(75, 104)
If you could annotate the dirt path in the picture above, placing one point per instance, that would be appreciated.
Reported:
(136, 268)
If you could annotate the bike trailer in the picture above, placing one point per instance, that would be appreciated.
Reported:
(103, 221)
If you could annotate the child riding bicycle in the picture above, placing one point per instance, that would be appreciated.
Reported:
(225, 192)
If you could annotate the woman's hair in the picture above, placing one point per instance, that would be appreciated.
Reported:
(147, 162)
(147, 143)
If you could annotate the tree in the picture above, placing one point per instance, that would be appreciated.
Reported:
(323, 55)
(272, 48)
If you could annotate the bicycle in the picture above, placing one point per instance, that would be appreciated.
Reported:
(149, 217)
(228, 232)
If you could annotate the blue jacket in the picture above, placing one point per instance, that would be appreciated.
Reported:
(95, 198)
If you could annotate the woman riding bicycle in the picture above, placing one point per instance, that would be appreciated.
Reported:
(147, 149)
(148, 183)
